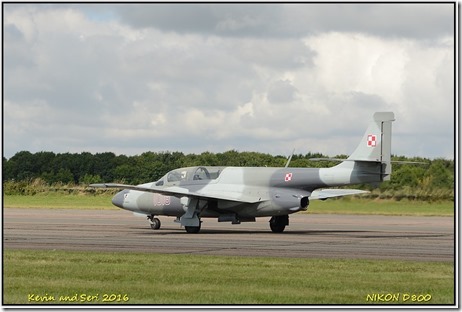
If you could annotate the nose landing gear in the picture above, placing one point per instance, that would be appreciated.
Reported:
(154, 222)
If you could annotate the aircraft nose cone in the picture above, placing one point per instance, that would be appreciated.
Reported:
(118, 199)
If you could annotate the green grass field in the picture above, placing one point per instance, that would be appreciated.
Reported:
(140, 278)
(345, 205)
(350, 205)
(56, 200)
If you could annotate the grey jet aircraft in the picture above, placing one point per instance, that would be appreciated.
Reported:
(241, 194)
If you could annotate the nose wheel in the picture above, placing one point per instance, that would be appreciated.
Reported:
(154, 222)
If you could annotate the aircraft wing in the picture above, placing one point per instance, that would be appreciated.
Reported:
(329, 193)
(181, 192)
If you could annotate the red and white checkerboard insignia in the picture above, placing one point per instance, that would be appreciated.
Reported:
(288, 177)
(372, 140)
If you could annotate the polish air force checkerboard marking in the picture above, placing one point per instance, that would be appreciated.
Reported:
(372, 140)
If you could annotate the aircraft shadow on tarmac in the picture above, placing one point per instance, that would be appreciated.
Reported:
(181, 231)
(350, 233)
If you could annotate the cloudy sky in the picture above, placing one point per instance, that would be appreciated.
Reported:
(214, 77)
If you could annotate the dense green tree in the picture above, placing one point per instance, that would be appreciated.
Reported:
(64, 175)
(87, 168)
(89, 179)
(8, 170)
(441, 173)
(22, 166)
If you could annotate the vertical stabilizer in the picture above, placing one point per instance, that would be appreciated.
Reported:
(375, 145)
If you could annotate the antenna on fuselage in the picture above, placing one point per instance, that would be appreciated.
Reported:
(290, 158)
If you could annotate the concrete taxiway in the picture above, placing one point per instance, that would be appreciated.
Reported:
(307, 236)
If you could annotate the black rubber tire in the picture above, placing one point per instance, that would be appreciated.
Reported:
(278, 223)
(155, 224)
(192, 229)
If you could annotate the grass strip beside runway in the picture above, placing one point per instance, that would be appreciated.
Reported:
(346, 205)
(33, 277)
(55, 200)
(350, 205)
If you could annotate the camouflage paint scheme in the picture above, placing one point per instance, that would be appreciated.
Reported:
(239, 194)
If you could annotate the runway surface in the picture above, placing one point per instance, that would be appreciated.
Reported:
(307, 236)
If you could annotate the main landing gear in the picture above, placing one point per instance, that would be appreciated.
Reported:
(154, 222)
(155, 225)
(278, 223)
(193, 229)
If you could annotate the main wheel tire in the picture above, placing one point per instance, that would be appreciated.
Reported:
(278, 223)
(192, 229)
(155, 224)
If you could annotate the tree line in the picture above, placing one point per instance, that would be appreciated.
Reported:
(84, 168)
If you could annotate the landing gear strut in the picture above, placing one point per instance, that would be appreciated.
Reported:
(154, 222)
(278, 223)
(191, 220)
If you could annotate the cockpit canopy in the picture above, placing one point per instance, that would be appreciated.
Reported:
(190, 174)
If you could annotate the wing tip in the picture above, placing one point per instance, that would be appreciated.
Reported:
(97, 185)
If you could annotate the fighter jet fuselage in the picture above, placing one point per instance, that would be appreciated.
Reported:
(239, 194)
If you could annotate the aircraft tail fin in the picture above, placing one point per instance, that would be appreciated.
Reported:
(375, 146)
(376, 142)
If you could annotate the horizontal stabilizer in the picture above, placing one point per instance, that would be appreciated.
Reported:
(405, 162)
(339, 159)
(328, 159)
(330, 193)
